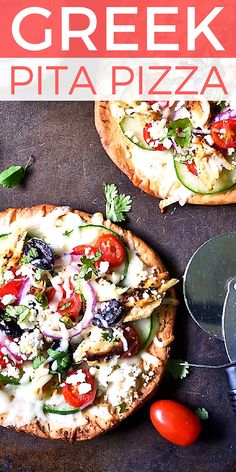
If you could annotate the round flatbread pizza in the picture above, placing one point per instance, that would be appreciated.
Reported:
(177, 151)
(86, 319)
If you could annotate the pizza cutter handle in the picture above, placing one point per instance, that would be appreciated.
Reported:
(231, 377)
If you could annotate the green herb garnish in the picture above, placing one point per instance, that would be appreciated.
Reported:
(62, 359)
(5, 380)
(67, 322)
(68, 233)
(39, 273)
(4, 236)
(42, 299)
(177, 368)
(202, 413)
(122, 407)
(88, 266)
(108, 337)
(117, 205)
(30, 256)
(38, 361)
(65, 306)
(21, 312)
(181, 131)
(13, 176)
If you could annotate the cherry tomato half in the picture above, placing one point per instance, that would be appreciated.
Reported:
(149, 140)
(50, 293)
(224, 133)
(70, 306)
(111, 248)
(192, 167)
(11, 288)
(175, 422)
(133, 341)
(73, 397)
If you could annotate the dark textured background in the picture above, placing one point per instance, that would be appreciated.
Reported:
(69, 169)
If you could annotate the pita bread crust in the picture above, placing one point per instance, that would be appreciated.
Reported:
(119, 149)
(95, 425)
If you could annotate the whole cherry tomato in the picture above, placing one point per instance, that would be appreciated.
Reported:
(192, 167)
(70, 306)
(224, 133)
(149, 140)
(175, 422)
(111, 248)
(71, 392)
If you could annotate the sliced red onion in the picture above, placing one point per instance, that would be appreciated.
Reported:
(24, 290)
(224, 115)
(90, 298)
(6, 342)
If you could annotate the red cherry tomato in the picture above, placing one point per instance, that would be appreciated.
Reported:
(50, 294)
(224, 133)
(192, 167)
(70, 306)
(111, 249)
(80, 250)
(3, 360)
(175, 422)
(11, 288)
(149, 140)
(133, 341)
(72, 395)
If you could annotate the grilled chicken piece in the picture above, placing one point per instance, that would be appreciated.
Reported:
(11, 249)
(209, 162)
(92, 350)
(143, 300)
(146, 292)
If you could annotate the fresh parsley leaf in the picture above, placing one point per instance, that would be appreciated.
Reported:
(38, 361)
(3, 236)
(5, 380)
(21, 312)
(65, 306)
(88, 266)
(221, 105)
(122, 407)
(178, 368)
(67, 322)
(39, 273)
(181, 131)
(202, 413)
(30, 256)
(42, 299)
(108, 337)
(117, 205)
(62, 359)
(68, 233)
(13, 176)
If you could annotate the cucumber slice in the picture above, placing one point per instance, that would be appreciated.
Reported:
(133, 128)
(92, 235)
(56, 411)
(226, 181)
(144, 329)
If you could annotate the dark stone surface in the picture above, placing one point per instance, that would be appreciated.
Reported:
(69, 168)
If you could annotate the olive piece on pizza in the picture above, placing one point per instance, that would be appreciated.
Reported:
(39, 254)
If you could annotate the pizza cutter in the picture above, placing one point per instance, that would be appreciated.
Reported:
(210, 295)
